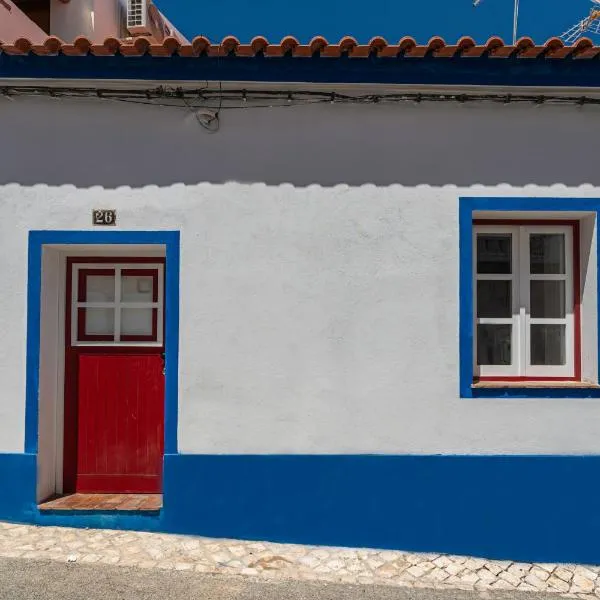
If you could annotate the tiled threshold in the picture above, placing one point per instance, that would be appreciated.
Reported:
(103, 502)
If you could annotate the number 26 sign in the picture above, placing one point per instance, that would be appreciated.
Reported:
(103, 216)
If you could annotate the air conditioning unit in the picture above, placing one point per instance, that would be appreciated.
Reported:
(137, 17)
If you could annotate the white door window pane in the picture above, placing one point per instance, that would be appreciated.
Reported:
(547, 253)
(494, 344)
(99, 288)
(548, 345)
(494, 254)
(548, 299)
(99, 321)
(120, 304)
(494, 299)
(137, 321)
(137, 288)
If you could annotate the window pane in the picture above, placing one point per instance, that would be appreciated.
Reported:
(136, 321)
(99, 321)
(494, 344)
(494, 253)
(548, 345)
(99, 288)
(137, 288)
(547, 253)
(547, 299)
(494, 299)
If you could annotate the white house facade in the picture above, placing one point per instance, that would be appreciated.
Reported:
(341, 295)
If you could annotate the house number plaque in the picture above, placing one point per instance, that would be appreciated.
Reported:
(103, 216)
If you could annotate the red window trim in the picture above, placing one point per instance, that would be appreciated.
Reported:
(127, 260)
(575, 225)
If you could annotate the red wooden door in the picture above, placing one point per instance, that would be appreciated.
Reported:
(114, 377)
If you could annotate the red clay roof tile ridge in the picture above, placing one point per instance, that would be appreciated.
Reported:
(407, 46)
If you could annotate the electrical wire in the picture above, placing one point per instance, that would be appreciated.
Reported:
(207, 104)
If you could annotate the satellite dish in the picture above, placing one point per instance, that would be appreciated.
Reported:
(590, 24)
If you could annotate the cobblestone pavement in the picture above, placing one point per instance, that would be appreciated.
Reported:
(285, 561)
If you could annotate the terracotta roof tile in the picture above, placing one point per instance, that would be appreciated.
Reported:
(80, 47)
(437, 47)
(585, 48)
(555, 48)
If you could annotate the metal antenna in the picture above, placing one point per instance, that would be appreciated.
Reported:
(515, 22)
(515, 17)
(590, 24)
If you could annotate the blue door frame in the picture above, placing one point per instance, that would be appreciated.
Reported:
(37, 241)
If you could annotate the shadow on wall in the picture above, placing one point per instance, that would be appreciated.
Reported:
(89, 142)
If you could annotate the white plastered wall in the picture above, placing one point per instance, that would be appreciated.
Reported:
(319, 262)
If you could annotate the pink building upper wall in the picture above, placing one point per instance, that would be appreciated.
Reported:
(93, 19)
(14, 24)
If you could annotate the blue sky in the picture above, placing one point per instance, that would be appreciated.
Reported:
(392, 19)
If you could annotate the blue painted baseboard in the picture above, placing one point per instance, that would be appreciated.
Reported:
(523, 508)
(17, 487)
(520, 508)
(132, 521)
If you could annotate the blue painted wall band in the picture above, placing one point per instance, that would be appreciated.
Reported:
(503, 507)
(467, 206)
(564, 72)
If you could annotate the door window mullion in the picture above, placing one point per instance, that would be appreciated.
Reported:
(117, 304)
(524, 300)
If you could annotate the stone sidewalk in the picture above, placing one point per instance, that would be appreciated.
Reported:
(285, 561)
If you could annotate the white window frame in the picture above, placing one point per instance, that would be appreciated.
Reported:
(118, 304)
(521, 319)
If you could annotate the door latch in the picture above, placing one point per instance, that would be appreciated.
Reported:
(164, 362)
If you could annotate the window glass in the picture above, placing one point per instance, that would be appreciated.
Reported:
(494, 344)
(494, 298)
(137, 288)
(548, 345)
(547, 253)
(136, 321)
(494, 253)
(99, 321)
(547, 299)
(99, 288)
